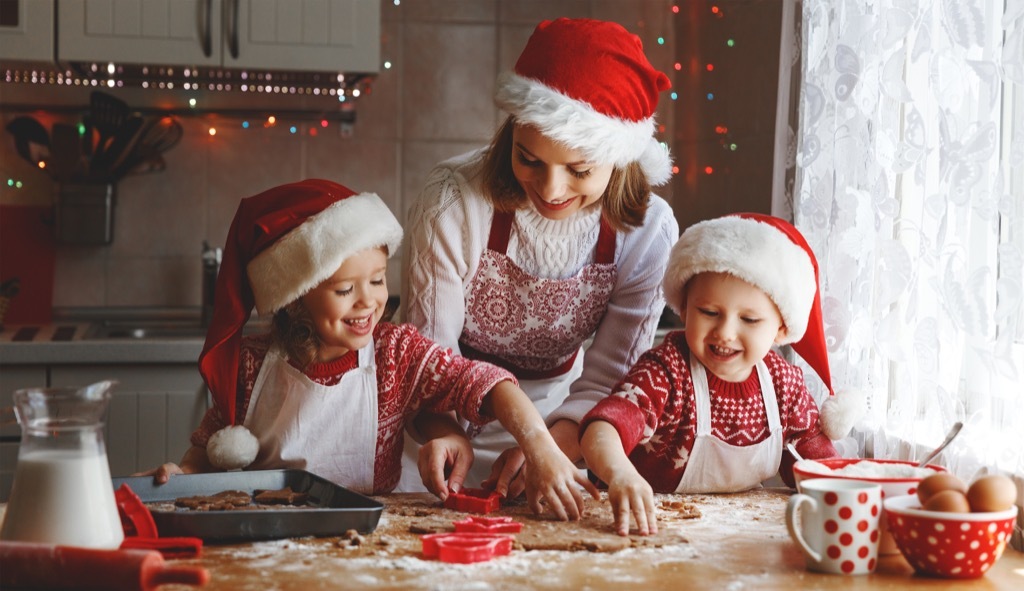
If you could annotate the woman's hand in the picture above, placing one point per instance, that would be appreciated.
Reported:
(630, 494)
(448, 457)
(507, 474)
(553, 480)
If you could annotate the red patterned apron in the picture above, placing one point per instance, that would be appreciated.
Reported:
(532, 326)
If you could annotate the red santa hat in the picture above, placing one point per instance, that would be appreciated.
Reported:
(588, 85)
(282, 243)
(771, 254)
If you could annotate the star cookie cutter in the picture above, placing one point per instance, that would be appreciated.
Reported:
(488, 525)
(474, 500)
(464, 547)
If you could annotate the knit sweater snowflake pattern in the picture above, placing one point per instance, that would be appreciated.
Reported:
(654, 411)
(413, 373)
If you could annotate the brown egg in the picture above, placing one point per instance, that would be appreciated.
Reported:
(991, 493)
(948, 501)
(936, 483)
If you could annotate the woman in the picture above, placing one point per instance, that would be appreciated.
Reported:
(522, 251)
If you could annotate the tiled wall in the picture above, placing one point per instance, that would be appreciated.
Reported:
(433, 103)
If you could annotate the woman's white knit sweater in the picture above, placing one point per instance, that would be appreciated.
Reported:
(448, 228)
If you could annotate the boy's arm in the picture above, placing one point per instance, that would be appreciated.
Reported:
(628, 491)
(550, 475)
(446, 448)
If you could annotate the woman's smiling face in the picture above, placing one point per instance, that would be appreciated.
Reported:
(558, 180)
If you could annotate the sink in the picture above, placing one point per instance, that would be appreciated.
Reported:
(164, 329)
(146, 330)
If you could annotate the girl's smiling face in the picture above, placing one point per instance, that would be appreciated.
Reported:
(346, 306)
(730, 324)
(558, 180)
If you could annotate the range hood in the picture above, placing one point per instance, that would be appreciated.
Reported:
(184, 90)
(192, 56)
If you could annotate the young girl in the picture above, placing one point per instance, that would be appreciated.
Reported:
(710, 409)
(523, 250)
(331, 388)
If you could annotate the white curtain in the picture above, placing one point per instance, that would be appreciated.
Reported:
(909, 154)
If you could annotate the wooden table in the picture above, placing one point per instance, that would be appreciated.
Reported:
(739, 542)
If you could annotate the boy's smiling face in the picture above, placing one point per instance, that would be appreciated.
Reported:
(730, 324)
(346, 306)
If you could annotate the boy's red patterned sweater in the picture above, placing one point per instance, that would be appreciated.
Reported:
(653, 410)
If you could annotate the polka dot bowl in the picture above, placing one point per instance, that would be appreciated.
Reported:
(896, 477)
(948, 545)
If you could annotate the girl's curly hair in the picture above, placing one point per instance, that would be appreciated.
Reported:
(293, 330)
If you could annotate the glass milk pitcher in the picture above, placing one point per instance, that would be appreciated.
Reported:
(62, 491)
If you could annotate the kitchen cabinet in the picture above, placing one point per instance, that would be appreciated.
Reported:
(153, 410)
(26, 30)
(295, 35)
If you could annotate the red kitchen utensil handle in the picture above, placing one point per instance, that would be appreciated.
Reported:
(183, 547)
(135, 516)
(29, 565)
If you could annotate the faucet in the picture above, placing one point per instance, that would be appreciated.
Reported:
(211, 266)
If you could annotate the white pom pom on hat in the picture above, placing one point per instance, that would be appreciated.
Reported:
(771, 254)
(232, 448)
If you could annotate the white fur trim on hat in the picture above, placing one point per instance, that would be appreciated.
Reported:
(755, 252)
(601, 139)
(232, 448)
(312, 252)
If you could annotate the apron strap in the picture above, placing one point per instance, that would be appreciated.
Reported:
(501, 230)
(701, 395)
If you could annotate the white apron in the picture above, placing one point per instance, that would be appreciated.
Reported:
(532, 326)
(717, 466)
(330, 431)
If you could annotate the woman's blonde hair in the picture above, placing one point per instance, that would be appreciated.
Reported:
(624, 202)
(293, 330)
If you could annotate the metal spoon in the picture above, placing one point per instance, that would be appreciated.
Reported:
(949, 438)
(792, 450)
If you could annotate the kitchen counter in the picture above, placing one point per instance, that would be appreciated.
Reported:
(738, 542)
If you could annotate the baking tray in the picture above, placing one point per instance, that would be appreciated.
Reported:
(335, 510)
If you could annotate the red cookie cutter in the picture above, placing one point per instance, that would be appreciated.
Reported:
(488, 525)
(465, 548)
(473, 500)
(140, 530)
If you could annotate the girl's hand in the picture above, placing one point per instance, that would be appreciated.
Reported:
(162, 474)
(449, 457)
(630, 494)
(507, 474)
(553, 480)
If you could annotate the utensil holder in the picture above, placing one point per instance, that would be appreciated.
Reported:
(85, 213)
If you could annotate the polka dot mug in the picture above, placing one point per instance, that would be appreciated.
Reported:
(836, 524)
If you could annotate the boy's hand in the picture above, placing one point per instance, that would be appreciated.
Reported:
(629, 494)
(449, 457)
